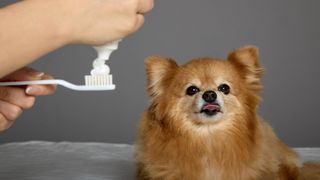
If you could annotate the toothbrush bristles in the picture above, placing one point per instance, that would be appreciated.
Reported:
(98, 80)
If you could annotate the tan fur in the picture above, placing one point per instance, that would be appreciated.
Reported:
(176, 143)
(311, 171)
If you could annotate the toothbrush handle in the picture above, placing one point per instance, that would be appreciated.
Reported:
(62, 83)
(40, 82)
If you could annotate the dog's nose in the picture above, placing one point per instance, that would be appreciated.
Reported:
(209, 96)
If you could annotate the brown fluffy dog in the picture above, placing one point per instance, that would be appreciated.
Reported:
(203, 123)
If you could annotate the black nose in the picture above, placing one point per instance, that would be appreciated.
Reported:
(209, 96)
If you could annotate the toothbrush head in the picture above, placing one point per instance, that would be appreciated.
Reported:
(99, 80)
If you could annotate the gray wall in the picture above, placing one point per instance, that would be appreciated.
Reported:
(287, 33)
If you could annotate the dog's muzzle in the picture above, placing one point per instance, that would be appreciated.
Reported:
(211, 109)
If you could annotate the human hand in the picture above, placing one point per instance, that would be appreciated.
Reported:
(97, 22)
(13, 100)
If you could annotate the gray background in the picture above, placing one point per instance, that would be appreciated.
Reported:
(287, 33)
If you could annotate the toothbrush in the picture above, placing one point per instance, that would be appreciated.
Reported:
(99, 80)
(63, 83)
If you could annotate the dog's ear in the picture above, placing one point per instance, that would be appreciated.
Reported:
(246, 60)
(160, 71)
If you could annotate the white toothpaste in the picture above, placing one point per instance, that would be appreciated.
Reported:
(104, 52)
(99, 68)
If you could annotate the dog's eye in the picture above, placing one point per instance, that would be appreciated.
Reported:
(192, 90)
(224, 88)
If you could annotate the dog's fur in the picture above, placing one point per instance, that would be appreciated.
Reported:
(179, 142)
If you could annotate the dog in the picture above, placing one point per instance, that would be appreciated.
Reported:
(202, 124)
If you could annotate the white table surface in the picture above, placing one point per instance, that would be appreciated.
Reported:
(38, 160)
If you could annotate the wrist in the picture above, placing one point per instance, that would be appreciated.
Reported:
(56, 21)
(31, 28)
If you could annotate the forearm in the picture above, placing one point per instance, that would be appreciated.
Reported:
(27, 32)
(32, 28)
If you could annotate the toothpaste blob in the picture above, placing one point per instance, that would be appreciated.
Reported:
(104, 52)
(100, 68)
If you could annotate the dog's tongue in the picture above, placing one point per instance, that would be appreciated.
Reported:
(211, 107)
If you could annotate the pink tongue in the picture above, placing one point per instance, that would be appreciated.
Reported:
(211, 107)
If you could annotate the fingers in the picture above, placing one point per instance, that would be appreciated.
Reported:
(16, 96)
(4, 123)
(139, 22)
(24, 74)
(9, 111)
(41, 90)
(13, 100)
(145, 6)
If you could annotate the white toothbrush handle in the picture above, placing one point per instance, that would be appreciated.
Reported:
(41, 82)
(60, 82)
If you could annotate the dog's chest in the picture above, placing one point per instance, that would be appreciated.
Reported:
(210, 171)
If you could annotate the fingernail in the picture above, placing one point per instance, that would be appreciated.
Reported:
(30, 90)
(39, 74)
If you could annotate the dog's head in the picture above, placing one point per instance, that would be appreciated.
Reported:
(205, 90)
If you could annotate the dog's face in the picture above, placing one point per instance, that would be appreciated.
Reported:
(205, 91)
